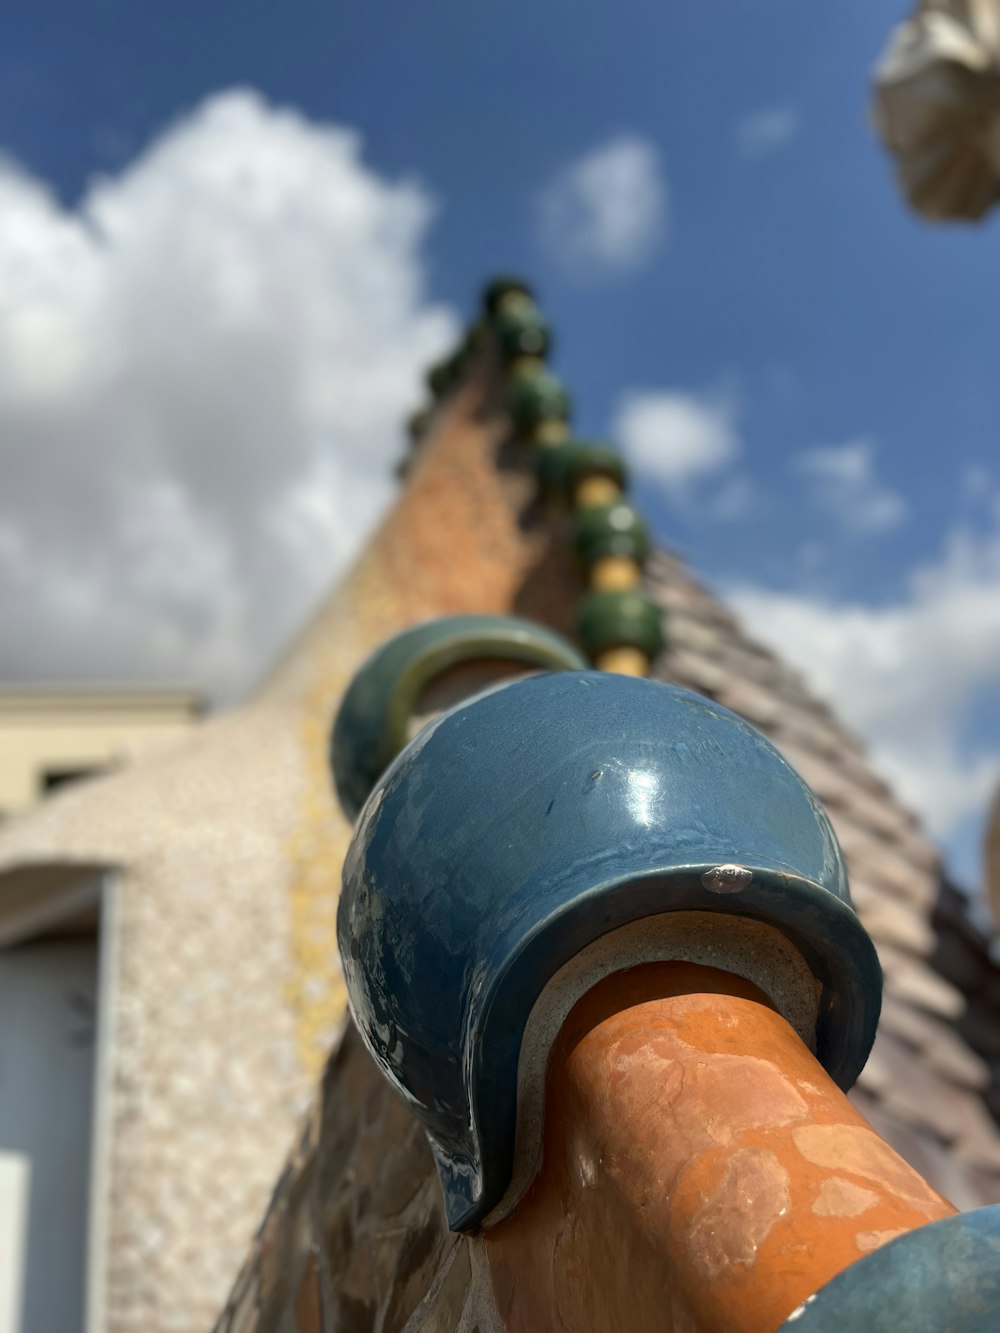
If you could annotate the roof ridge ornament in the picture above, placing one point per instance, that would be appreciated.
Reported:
(530, 822)
(585, 481)
(620, 628)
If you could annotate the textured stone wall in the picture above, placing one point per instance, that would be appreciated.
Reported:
(355, 1239)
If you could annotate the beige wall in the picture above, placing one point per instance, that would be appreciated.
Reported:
(48, 731)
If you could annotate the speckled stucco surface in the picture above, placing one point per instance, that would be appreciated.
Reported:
(227, 851)
(205, 1071)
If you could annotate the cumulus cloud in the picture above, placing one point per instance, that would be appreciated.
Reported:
(203, 367)
(842, 481)
(764, 132)
(606, 212)
(906, 676)
(675, 438)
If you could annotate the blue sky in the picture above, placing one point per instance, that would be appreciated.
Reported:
(804, 374)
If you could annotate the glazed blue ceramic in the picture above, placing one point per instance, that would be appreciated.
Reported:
(523, 825)
(941, 1278)
(372, 724)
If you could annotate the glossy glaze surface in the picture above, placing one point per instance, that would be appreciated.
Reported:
(701, 1172)
(618, 618)
(943, 1278)
(522, 826)
(372, 722)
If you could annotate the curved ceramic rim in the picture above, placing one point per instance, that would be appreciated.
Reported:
(371, 725)
(943, 1275)
(822, 926)
(514, 642)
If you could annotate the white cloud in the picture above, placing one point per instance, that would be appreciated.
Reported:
(736, 497)
(906, 676)
(980, 490)
(767, 131)
(673, 438)
(842, 481)
(606, 212)
(203, 368)
(977, 482)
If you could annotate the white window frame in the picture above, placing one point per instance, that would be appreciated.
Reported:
(62, 891)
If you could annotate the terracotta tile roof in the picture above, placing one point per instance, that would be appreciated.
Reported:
(937, 1043)
(938, 1051)
(968, 957)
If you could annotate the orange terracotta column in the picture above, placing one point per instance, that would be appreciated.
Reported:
(701, 1171)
